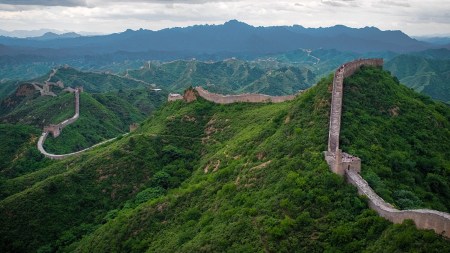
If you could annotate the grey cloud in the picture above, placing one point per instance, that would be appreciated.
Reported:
(340, 3)
(395, 3)
(68, 3)
(166, 1)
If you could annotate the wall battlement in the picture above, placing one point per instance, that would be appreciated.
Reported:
(350, 166)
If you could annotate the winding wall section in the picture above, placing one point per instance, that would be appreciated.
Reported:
(251, 98)
(56, 129)
(347, 165)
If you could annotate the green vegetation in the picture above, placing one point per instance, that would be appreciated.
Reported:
(201, 177)
(18, 154)
(228, 77)
(402, 137)
(102, 115)
(430, 76)
(94, 82)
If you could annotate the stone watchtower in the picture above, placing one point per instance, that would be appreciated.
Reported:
(54, 129)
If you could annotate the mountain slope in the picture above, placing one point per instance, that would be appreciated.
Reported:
(227, 77)
(427, 75)
(205, 177)
(402, 137)
(102, 116)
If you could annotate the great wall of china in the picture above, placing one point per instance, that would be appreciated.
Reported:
(350, 166)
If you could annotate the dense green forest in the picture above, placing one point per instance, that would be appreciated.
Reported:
(102, 116)
(202, 177)
(402, 137)
(429, 74)
(23, 114)
(230, 76)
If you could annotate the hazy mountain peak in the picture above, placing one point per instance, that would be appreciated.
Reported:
(236, 23)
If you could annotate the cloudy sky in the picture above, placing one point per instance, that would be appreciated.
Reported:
(414, 17)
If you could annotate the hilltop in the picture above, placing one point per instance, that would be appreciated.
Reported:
(241, 177)
(402, 137)
(428, 72)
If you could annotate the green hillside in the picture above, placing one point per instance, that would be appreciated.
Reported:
(18, 153)
(102, 115)
(227, 77)
(402, 137)
(320, 61)
(430, 76)
(94, 82)
(202, 177)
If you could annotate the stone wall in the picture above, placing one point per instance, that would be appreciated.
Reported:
(423, 218)
(350, 166)
(342, 72)
(251, 98)
(63, 156)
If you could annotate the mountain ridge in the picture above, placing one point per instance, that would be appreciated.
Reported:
(234, 36)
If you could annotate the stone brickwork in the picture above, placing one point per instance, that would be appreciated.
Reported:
(350, 166)
(250, 98)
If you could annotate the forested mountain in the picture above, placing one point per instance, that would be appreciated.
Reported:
(202, 177)
(429, 74)
(230, 76)
(24, 58)
(24, 113)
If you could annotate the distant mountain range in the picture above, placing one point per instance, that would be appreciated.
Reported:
(233, 38)
(40, 32)
(53, 36)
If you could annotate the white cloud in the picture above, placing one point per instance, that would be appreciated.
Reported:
(45, 2)
(414, 17)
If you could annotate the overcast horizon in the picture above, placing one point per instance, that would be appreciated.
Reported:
(414, 18)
